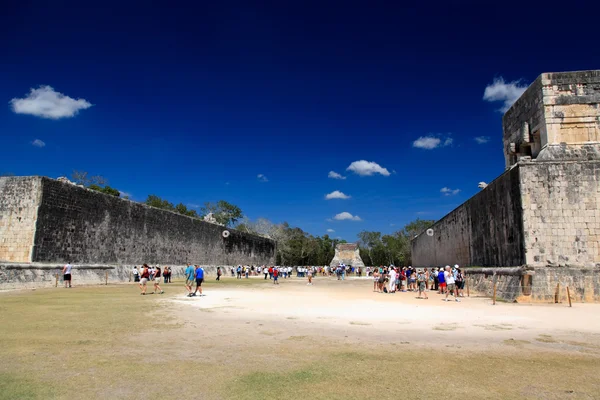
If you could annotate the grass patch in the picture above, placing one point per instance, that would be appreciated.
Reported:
(97, 342)
(15, 387)
(493, 327)
(545, 339)
(481, 376)
(516, 342)
(445, 327)
(298, 338)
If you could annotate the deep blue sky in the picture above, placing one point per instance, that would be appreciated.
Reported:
(193, 102)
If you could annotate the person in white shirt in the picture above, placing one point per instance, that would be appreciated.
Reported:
(67, 274)
(136, 274)
(392, 283)
(450, 283)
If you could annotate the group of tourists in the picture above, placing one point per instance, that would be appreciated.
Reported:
(195, 275)
(152, 274)
(166, 273)
(447, 280)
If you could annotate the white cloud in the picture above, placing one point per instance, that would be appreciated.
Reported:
(431, 142)
(335, 175)
(330, 230)
(508, 92)
(46, 103)
(346, 216)
(124, 194)
(449, 192)
(38, 143)
(262, 178)
(336, 195)
(367, 168)
(192, 205)
(482, 139)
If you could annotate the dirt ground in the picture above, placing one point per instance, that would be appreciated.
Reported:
(350, 307)
(251, 339)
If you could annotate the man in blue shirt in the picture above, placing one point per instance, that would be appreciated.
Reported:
(189, 278)
(199, 279)
(442, 281)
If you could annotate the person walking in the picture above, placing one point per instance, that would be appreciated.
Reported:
(422, 282)
(165, 274)
(189, 279)
(275, 276)
(145, 275)
(392, 282)
(442, 281)
(199, 279)
(218, 273)
(460, 281)
(450, 283)
(136, 274)
(67, 274)
(309, 274)
(375, 280)
(157, 287)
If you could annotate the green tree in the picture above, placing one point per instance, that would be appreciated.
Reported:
(183, 210)
(155, 201)
(225, 213)
(417, 226)
(105, 190)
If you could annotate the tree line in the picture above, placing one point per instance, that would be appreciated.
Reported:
(224, 213)
(378, 249)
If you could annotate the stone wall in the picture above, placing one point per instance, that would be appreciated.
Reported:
(486, 230)
(526, 115)
(561, 213)
(19, 201)
(557, 118)
(543, 285)
(36, 275)
(85, 227)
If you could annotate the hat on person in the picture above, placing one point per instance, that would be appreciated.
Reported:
(456, 266)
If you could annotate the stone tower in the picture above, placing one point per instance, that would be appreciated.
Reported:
(557, 118)
(543, 212)
(348, 254)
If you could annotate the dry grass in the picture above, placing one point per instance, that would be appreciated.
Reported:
(109, 342)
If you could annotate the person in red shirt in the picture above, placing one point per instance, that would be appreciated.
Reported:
(270, 272)
(275, 275)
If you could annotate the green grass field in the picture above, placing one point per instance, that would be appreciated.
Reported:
(110, 342)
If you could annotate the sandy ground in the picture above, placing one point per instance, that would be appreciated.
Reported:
(350, 311)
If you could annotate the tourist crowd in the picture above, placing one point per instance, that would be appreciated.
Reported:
(447, 280)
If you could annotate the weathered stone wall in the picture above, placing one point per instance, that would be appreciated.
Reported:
(486, 230)
(35, 275)
(526, 115)
(557, 118)
(83, 226)
(561, 213)
(46, 221)
(19, 200)
(543, 285)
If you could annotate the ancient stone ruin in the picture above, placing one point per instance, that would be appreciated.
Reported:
(347, 254)
(45, 223)
(543, 213)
